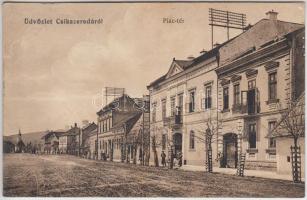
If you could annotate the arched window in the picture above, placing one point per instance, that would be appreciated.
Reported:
(192, 140)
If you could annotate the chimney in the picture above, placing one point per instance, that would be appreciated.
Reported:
(85, 123)
(216, 45)
(272, 15)
(75, 124)
(203, 51)
(190, 58)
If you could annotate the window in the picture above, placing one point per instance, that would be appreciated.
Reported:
(173, 110)
(192, 140)
(236, 94)
(272, 86)
(208, 97)
(109, 123)
(163, 109)
(180, 104)
(251, 84)
(163, 142)
(99, 144)
(226, 98)
(153, 112)
(192, 101)
(99, 126)
(272, 141)
(252, 135)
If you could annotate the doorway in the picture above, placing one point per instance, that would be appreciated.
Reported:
(177, 139)
(230, 150)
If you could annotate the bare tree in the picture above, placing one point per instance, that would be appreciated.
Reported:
(292, 124)
(155, 143)
(207, 136)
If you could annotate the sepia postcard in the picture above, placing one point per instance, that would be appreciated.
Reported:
(153, 99)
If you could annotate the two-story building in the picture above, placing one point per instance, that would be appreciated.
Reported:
(182, 104)
(86, 131)
(115, 122)
(238, 88)
(51, 142)
(256, 80)
(69, 141)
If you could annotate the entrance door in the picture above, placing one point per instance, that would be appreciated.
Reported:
(230, 150)
(177, 138)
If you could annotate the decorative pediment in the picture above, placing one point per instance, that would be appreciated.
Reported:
(235, 78)
(225, 82)
(251, 72)
(271, 65)
(174, 69)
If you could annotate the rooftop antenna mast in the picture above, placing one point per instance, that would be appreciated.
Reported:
(226, 19)
(113, 92)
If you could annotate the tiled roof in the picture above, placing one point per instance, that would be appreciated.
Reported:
(50, 133)
(89, 127)
(72, 131)
(238, 45)
(186, 64)
(129, 121)
(113, 104)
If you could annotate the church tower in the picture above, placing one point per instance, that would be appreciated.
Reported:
(19, 137)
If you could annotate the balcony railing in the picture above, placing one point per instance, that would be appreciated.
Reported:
(176, 121)
(246, 109)
(173, 121)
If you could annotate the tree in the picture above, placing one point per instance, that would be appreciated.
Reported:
(208, 134)
(155, 143)
(154, 150)
(292, 124)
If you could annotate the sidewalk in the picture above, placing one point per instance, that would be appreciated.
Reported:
(232, 171)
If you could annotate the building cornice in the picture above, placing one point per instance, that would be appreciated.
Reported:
(253, 57)
(186, 72)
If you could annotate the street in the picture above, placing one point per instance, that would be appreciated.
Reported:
(70, 176)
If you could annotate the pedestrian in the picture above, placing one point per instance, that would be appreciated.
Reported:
(179, 157)
(163, 156)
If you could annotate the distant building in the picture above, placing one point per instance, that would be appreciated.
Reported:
(19, 146)
(8, 146)
(114, 140)
(51, 142)
(69, 142)
(86, 132)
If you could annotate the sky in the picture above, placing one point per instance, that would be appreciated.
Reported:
(54, 75)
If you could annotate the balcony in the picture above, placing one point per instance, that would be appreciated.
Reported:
(250, 109)
(250, 103)
(176, 121)
(173, 121)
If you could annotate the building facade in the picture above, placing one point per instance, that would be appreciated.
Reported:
(86, 132)
(182, 105)
(236, 91)
(255, 83)
(115, 121)
(51, 142)
(69, 142)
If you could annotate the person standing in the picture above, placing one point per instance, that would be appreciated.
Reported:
(179, 157)
(163, 156)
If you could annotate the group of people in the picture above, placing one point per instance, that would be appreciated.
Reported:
(175, 159)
